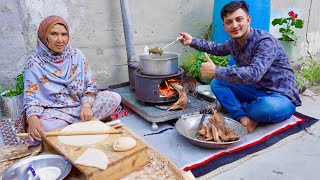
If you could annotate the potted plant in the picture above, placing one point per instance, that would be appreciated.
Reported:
(192, 62)
(12, 98)
(288, 36)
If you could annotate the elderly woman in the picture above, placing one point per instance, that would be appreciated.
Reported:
(58, 83)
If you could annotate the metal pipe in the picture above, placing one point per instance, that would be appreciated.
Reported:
(127, 30)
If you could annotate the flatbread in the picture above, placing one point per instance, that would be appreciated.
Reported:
(81, 140)
(93, 158)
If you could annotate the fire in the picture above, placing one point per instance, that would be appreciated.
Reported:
(165, 88)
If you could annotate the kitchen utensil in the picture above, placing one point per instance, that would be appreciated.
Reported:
(188, 124)
(23, 169)
(155, 64)
(204, 112)
(158, 50)
(172, 42)
(73, 133)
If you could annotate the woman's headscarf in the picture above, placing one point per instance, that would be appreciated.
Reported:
(56, 81)
(46, 24)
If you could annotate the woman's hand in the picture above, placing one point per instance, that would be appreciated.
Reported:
(35, 128)
(86, 112)
(186, 38)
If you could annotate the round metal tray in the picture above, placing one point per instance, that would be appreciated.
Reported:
(187, 126)
(21, 169)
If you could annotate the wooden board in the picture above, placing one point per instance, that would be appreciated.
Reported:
(120, 163)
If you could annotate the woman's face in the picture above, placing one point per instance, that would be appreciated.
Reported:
(57, 38)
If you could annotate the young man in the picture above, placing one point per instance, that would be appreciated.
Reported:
(262, 87)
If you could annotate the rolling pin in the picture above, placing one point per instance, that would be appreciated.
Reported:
(74, 133)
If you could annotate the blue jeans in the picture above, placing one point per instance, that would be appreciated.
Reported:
(243, 100)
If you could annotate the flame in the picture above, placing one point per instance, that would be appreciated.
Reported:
(166, 90)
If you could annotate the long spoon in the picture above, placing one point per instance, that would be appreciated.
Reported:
(178, 38)
(158, 50)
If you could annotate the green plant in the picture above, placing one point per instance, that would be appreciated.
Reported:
(311, 72)
(308, 75)
(287, 34)
(18, 89)
(192, 62)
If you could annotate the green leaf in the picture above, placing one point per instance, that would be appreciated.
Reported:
(298, 23)
(289, 36)
(283, 30)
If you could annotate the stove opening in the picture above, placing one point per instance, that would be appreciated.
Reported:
(166, 90)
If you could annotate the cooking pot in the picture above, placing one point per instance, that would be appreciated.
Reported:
(156, 64)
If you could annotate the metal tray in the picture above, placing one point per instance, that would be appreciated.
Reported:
(187, 126)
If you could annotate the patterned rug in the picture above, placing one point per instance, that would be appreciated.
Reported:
(209, 162)
(9, 127)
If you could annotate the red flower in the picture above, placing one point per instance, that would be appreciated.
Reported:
(293, 15)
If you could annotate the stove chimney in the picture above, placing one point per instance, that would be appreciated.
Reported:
(127, 28)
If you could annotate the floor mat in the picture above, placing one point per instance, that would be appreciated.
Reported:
(202, 161)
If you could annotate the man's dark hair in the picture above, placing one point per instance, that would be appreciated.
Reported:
(233, 6)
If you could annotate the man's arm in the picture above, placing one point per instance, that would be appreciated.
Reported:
(211, 47)
(264, 55)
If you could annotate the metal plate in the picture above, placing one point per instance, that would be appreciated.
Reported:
(187, 126)
(21, 169)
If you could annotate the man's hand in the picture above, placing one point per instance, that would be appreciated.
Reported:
(86, 112)
(186, 39)
(207, 69)
(35, 128)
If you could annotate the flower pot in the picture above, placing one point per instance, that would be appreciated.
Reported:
(12, 106)
(290, 49)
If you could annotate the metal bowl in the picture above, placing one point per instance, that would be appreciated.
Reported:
(21, 170)
(187, 126)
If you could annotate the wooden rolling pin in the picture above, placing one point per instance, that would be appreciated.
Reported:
(74, 133)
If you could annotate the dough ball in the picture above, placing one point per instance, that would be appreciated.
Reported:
(124, 143)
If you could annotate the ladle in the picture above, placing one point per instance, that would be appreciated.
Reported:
(158, 50)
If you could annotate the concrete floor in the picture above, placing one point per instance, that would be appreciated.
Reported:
(297, 160)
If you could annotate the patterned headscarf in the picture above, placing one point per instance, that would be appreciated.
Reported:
(46, 24)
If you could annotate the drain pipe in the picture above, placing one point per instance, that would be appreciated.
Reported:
(127, 28)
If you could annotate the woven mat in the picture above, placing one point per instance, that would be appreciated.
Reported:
(202, 161)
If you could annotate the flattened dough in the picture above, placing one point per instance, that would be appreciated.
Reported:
(82, 140)
(93, 158)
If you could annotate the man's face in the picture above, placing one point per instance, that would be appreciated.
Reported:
(237, 24)
(57, 38)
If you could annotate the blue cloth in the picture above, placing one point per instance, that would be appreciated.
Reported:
(243, 100)
(261, 62)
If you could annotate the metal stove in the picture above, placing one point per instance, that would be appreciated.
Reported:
(153, 114)
(147, 88)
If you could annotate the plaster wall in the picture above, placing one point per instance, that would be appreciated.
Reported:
(96, 28)
(309, 36)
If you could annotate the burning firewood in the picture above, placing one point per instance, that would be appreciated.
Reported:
(217, 130)
(183, 99)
